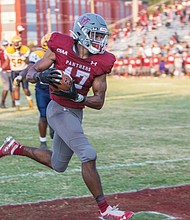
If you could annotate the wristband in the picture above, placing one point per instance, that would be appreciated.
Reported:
(80, 98)
(36, 77)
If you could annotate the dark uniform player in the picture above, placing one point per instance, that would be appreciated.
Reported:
(85, 59)
(42, 100)
(41, 91)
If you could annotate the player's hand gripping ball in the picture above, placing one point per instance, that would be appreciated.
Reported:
(64, 83)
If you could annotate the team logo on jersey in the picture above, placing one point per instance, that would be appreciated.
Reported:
(59, 50)
(94, 63)
(84, 20)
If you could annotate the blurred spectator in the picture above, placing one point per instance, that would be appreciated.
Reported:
(148, 51)
(187, 64)
(146, 66)
(178, 64)
(155, 67)
(163, 69)
(126, 65)
(170, 63)
(132, 67)
(138, 65)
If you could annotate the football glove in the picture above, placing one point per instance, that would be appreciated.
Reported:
(71, 94)
(17, 80)
(49, 76)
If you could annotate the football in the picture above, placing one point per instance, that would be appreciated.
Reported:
(66, 81)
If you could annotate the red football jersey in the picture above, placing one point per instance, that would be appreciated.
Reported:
(138, 62)
(83, 71)
(187, 60)
(170, 59)
(2, 59)
(126, 61)
(155, 61)
(120, 62)
(132, 62)
(146, 61)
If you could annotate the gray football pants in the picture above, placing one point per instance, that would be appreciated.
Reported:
(69, 137)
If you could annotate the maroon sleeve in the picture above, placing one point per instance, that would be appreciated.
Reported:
(106, 62)
(56, 39)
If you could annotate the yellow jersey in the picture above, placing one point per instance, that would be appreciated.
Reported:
(17, 57)
(36, 55)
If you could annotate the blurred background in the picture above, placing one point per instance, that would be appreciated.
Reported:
(144, 35)
(34, 18)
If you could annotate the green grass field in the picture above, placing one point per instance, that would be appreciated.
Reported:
(142, 137)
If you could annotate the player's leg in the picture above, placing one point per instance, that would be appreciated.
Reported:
(42, 101)
(70, 130)
(16, 90)
(68, 138)
(11, 89)
(3, 98)
(5, 82)
(12, 147)
(61, 154)
(25, 86)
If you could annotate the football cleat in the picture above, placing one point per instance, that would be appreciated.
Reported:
(2, 106)
(43, 146)
(9, 146)
(115, 213)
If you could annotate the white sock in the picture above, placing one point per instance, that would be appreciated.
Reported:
(42, 139)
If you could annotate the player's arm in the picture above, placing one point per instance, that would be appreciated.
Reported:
(99, 87)
(33, 74)
(22, 75)
(24, 72)
(96, 101)
(6, 63)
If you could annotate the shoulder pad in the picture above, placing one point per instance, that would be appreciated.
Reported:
(10, 49)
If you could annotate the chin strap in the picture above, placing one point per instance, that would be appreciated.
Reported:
(75, 37)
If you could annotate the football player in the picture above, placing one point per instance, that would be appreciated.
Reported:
(41, 91)
(5, 74)
(83, 56)
(17, 54)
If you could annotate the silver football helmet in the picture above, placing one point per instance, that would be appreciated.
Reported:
(91, 31)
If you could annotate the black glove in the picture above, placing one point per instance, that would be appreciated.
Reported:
(49, 76)
(71, 94)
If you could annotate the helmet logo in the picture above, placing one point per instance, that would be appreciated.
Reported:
(103, 29)
(84, 20)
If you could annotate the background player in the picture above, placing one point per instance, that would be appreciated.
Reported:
(85, 59)
(5, 74)
(17, 54)
(41, 92)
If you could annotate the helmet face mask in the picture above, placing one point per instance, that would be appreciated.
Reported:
(16, 42)
(98, 40)
(91, 31)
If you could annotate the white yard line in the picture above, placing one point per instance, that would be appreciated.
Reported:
(114, 166)
(155, 213)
